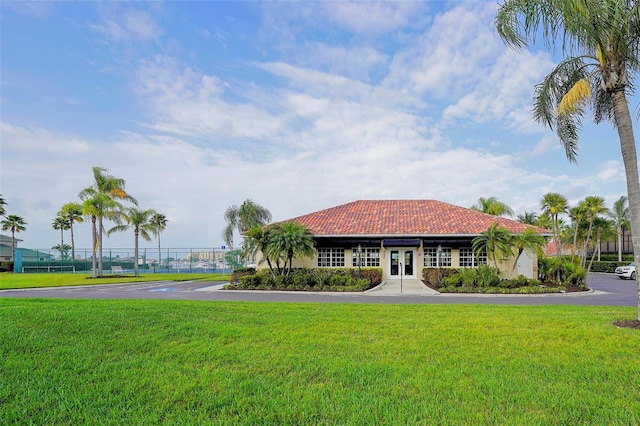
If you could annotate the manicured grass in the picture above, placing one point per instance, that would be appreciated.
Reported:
(175, 362)
(10, 281)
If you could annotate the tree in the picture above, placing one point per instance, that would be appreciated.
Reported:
(554, 204)
(2, 204)
(98, 206)
(288, 240)
(140, 221)
(243, 218)
(59, 223)
(14, 223)
(495, 240)
(159, 222)
(257, 240)
(577, 215)
(72, 212)
(493, 207)
(63, 249)
(601, 42)
(593, 206)
(528, 217)
(113, 188)
(602, 229)
(529, 241)
(619, 214)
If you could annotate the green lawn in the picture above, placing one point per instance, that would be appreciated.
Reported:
(10, 281)
(175, 362)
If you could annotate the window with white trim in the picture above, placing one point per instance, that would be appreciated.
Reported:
(330, 257)
(370, 257)
(471, 259)
(431, 257)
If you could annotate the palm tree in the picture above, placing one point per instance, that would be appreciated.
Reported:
(243, 218)
(602, 229)
(593, 206)
(257, 240)
(2, 204)
(554, 204)
(14, 223)
(63, 249)
(159, 222)
(72, 212)
(60, 223)
(493, 207)
(112, 187)
(495, 240)
(98, 206)
(619, 214)
(529, 241)
(140, 221)
(288, 240)
(528, 217)
(601, 39)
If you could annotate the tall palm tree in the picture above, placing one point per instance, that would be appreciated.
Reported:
(96, 206)
(2, 204)
(112, 187)
(72, 212)
(602, 229)
(554, 204)
(601, 41)
(577, 215)
(529, 241)
(594, 206)
(619, 214)
(492, 206)
(140, 221)
(528, 217)
(61, 224)
(159, 222)
(495, 240)
(243, 218)
(288, 240)
(14, 223)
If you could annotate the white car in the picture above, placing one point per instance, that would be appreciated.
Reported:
(626, 272)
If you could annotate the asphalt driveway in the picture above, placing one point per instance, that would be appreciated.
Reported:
(607, 290)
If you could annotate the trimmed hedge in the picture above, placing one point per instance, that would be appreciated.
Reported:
(305, 279)
(607, 266)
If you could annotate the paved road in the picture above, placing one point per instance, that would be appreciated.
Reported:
(608, 290)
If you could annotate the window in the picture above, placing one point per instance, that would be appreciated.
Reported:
(370, 257)
(431, 257)
(330, 257)
(470, 259)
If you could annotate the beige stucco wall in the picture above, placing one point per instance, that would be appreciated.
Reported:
(504, 265)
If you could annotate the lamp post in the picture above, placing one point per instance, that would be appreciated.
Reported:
(438, 253)
(359, 261)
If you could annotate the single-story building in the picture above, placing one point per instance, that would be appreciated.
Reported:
(405, 236)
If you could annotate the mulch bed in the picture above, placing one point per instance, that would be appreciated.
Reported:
(628, 324)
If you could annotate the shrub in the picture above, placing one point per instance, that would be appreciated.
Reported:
(487, 276)
(607, 266)
(432, 277)
(6, 266)
(468, 276)
(241, 272)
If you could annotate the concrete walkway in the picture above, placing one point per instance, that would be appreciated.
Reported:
(400, 288)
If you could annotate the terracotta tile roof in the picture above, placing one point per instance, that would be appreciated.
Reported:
(404, 217)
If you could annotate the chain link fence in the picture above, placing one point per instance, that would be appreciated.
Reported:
(122, 260)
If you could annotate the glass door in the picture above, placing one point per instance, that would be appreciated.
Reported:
(401, 263)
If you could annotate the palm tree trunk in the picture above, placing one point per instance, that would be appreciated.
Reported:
(13, 245)
(159, 251)
(94, 248)
(619, 244)
(99, 235)
(73, 244)
(630, 159)
(135, 255)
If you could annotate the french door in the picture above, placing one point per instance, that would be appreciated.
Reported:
(401, 263)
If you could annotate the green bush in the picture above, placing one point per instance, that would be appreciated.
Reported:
(432, 277)
(468, 276)
(487, 276)
(241, 272)
(6, 266)
(607, 266)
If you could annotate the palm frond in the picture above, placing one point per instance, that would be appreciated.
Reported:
(575, 99)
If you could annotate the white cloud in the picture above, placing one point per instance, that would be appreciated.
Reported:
(35, 9)
(611, 171)
(128, 25)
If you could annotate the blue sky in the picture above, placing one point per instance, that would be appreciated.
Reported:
(298, 106)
